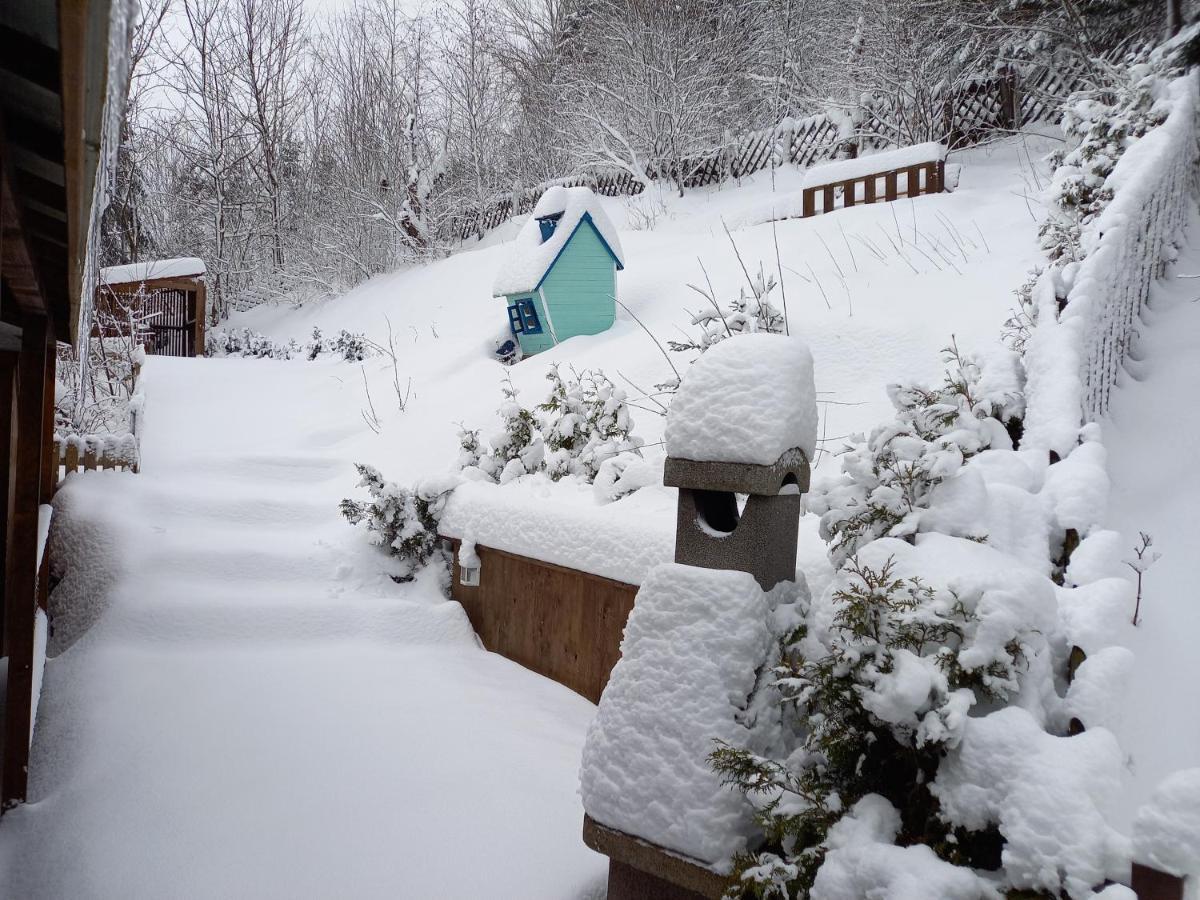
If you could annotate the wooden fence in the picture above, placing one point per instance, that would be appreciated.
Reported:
(559, 622)
(94, 452)
(973, 113)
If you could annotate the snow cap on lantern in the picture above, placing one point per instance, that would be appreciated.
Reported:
(744, 421)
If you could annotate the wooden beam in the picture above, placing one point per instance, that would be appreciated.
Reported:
(8, 415)
(49, 461)
(20, 596)
(27, 58)
(16, 257)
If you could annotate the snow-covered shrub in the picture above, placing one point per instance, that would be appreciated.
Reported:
(881, 696)
(95, 395)
(244, 342)
(350, 347)
(583, 423)
(403, 521)
(1099, 126)
(748, 313)
(586, 422)
(517, 448)
(887, 479)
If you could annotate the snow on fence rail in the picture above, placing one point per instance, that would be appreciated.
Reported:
(91, 452)
(1087, 314)
(843, 179)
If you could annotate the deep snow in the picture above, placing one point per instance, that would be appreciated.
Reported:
(1151, 432)
(243, 704)
(256, 703)
(862, 288)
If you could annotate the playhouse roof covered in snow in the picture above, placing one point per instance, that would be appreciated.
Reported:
(748, 399)
(530, 257)
(184, 267)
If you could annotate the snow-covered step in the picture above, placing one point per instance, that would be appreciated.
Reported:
(233, 619)
(303, 469)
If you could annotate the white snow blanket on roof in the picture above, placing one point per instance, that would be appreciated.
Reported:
(694, 641)
(157, 268)
(529, 256)
(862, 166)
(748, 399)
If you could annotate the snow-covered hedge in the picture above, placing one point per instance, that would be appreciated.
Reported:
(1127, 216)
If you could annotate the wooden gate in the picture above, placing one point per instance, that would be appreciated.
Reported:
(169, 319)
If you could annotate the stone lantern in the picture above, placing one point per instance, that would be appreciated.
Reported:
(711, 531)
(743, 422)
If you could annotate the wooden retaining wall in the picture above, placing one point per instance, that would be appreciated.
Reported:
(559, 622)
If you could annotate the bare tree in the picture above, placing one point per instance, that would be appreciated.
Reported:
(270, 40)
(477, 94)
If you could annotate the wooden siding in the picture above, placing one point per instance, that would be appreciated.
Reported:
(581, 285)
(561, 623)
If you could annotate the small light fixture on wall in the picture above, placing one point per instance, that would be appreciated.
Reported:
(469, 565)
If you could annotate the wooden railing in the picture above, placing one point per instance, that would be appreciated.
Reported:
(924, 178)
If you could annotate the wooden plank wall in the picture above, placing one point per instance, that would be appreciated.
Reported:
(559, 622)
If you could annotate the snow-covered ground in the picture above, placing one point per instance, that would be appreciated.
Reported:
(243, 705)
(862, 288)
(1152, 432)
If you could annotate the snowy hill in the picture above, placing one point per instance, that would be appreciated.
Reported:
(861, 286)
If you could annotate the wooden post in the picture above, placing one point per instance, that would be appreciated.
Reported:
(1151, 884)
(8, 431)
(71, 458)
(913, 173)
(891, 190)
(201, 314)
(20, 598)
(848, 190)
(828, 203)
(1010, 106)
(869, 191)
(810, 203)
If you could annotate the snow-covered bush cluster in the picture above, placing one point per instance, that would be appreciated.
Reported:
(888, 479)
(245, 342)
(350, 347)
(1099, 126)
(925, 718)
(583, 424)
(936, 650)
(400, 520)
(1117, 203)
(745, 314)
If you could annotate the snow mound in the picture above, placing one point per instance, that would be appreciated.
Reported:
(183, 267)
(694, 641)
(746, 400)
(862, 862)
(1166, 832)
(529, 256)
(1047, 794)
(560, 523)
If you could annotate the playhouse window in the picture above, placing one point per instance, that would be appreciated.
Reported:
(547, 224)
(530, 324)
(514, 319)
